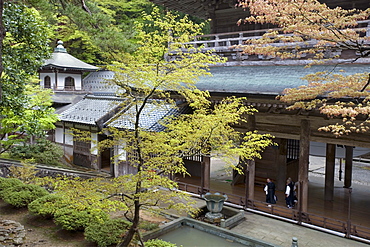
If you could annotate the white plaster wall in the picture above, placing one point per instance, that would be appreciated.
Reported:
(121, 152)
(62, 76)
(94, 138)
(69, 137)
(59, 135)
(52, 79)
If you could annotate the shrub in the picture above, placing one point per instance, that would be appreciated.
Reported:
(43, 151)
(107, 233)
(6, 183)
(158, 243)
(77, 220)
(23, 194)
(46, 206)
(26, 173)
(147, 225)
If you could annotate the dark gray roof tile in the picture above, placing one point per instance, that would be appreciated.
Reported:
(265, 79)
(89, 109)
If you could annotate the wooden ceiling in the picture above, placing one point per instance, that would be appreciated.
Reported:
(206, 8)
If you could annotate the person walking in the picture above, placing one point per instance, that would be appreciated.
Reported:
(289, 193)
(270, 192)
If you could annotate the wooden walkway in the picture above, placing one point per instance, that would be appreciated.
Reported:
(353, 223)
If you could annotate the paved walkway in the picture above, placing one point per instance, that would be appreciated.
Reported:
(279, 232)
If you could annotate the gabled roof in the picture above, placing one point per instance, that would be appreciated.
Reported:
(90, 109)
(151, 117)
(270, 80)
(60, 59)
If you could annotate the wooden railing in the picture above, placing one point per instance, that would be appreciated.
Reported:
(222, 41)
(347, 228)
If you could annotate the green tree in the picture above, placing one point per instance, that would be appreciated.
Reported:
(308, 27)
(96, 31)
(25, 108)
(164, 64)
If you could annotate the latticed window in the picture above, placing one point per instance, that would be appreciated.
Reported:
(293, 149)
(82, 147)
(47, 82)
(69, 83)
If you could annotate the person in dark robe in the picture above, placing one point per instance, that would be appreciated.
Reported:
(289, 193)
(270, 192)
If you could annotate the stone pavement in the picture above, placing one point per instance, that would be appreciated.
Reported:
(280, 232)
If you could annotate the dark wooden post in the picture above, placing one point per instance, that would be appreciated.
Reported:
(251, 164)
(329, 172)
(205, 173)
(304, 152)
(348, 167)
(251, 174)
(281, 161)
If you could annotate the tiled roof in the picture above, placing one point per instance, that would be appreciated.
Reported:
(97, 82)
(64, 60)
(265, 79)
(151, 116)
(240, 79)
(89, 109)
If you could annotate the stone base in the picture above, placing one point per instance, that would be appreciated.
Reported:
(213, 217)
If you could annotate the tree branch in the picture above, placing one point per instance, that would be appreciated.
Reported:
(367, 84)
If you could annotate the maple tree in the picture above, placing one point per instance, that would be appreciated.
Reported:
(162, 65)
(308, 28)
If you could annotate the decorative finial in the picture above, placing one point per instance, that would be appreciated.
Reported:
(60, 47)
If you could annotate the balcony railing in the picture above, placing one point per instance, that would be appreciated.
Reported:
(222, 41)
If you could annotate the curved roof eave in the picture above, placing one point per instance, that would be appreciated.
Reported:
(62, 60)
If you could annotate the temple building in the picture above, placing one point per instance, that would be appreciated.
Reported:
(92, 105)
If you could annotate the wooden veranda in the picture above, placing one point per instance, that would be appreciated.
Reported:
(346, 216)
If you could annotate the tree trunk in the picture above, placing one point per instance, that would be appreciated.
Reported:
(2, 35)
(133, 229)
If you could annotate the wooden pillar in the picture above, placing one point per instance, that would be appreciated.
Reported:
(304, 151)
(348, 167)
(281, 161)
(250, 178)
(329, 172)
(251, 164)
(213, 23)
(205, 172)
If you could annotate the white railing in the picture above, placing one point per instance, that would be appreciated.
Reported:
(223, 41)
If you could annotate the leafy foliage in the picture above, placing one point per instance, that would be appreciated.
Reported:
(148, 226)
(6, 183)
(107, 233)
(22, 195)
(99, 32)
(82, 193)
(46, 206)
(164, 63)
(309, 28)
(43, 152)
(77, 220)
(25, 108)
(158, 243)
(26, 173)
